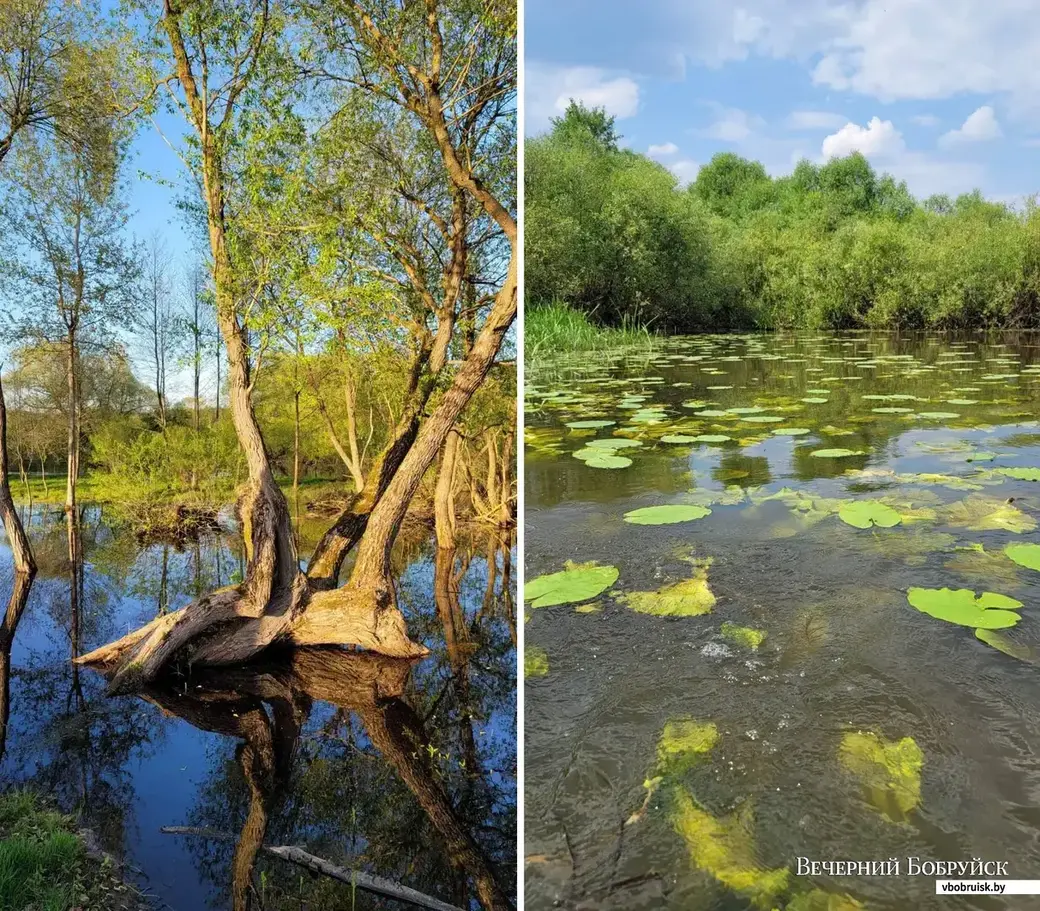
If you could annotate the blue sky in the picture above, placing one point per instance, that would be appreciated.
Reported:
(944, 94)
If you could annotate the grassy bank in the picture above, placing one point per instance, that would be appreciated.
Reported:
(550, 329)
(45, 864)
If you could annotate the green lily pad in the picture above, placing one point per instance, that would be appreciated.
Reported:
(690, 598)
(1027, 555)
(712, 438)
(666, 515)
(576, 582)
(981, 457)
(602, 458)
(978, 513)
(743, 635)
(762, 419)
(890, 771)
(1019, 474)
(892, 410)
(938, 415)
(868, 513)
(751, 409)
(791, 431)
(590, 425)
(678, 438)
(536, 662)
(683, 744)
(1002, 643)
(712, 413)
(987, 611)
(836, 453)
(813, 400)
(613, 443)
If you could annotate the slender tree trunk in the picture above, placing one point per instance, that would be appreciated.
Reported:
(444, 494)
(19, 543)
(350, 397)
(506, 515)
(72, 368)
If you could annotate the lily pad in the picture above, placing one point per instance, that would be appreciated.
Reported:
(536, 662)
(938, 415)
(689, 598)
(724, 847)
(989, 610)
(868, 513)
(677, 438)
(791, 431)
(762, 419)
(1002, 643)
(1027, 555)
(576, 582)
(743, 635)
(813, 400)
(1019, 474)
(683, 744)
(613, 443)
(666, 515)
(602, 458)
(890, 771)
(978, 513)
(836, 453)
(712, 438)
(590, 425)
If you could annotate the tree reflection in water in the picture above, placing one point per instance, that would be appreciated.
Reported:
(400, 770)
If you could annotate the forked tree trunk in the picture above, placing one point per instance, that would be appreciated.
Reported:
(233, 624)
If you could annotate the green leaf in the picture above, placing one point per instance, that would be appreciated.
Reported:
(1027, 555)
(987, 611)
(868, 513)
(684, 743)
(889, 770)
(576, 582)
(590, 425)
(536, 662)
(602, 458)
(666, 515)
(1002, 643)
(743, 635)
(1020, 474)
(791, 431)
(836, 453)
(689, 598)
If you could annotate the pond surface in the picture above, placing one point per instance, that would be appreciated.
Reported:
(775, 676)
(400, 769)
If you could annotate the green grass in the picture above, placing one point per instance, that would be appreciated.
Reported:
(45, 865)
(41, 859)
(555, 328)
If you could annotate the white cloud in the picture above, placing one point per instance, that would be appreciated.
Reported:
(980, 126)
(548, 89)
(732, 125)
(888, 49)
(814, 120)
(685, 169)
(665, 150)
(878, 139)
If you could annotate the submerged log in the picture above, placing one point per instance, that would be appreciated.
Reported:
(367, 882)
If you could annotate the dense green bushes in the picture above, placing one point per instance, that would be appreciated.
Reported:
(611, 233)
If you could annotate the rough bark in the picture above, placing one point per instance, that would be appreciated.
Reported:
(444, 495)
(233, 624)
(24, 562)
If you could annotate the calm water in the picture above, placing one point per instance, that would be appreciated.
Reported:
(860, 728)
(403, 770)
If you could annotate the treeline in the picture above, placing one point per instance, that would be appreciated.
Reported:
(612, 233)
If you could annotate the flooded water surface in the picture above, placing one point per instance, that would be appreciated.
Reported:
(402, 770)
(782, 601)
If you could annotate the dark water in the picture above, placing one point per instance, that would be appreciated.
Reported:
(951, 724)
(405, 770)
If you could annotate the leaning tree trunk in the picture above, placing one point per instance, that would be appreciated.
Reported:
(19, 543)
(371, 579)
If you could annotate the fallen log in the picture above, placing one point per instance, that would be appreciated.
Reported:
(366, 881)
